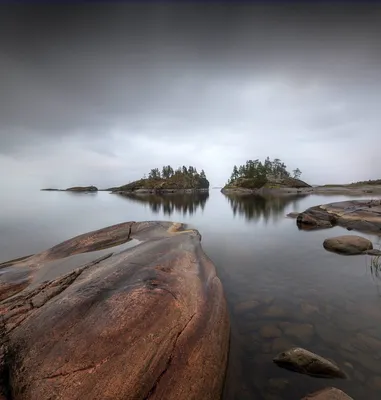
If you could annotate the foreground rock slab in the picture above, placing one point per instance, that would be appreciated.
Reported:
(362, 215)
(305, 362)
(328, 394)
(145, 322)
(348, 244)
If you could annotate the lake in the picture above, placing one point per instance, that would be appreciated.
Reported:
(282, 287)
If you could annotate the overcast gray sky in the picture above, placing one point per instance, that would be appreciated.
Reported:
(101, 93)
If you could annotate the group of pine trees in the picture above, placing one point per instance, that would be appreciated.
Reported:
(261, 171)
(168, 172)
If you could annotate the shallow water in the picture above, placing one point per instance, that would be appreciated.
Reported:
(282, 287)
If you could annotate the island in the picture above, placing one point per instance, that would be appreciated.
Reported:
(265, 178)
(77, 189)
(131, 311)
(168, 180)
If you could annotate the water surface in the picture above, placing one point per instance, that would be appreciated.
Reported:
(282, 287)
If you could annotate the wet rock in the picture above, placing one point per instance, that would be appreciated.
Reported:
(305, 362)
(147, 322)
(270, 331)
(281, 344)
(362, 215)
(308, 221)
(348, 244)
(274, 312)
(328, 394)
(292, 215)
(246, 306)
(303, 332)
(275, 385)
(309, 308)
(373, 252)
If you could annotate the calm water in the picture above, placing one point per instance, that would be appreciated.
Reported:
(282, 287)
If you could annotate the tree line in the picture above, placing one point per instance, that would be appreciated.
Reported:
(260, 171)
(167, 172)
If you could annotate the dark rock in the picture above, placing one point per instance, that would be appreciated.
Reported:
(362, 215)
(373, 252)
(147, 322)
(82, 189)
(328, 394)
(348, 244)
(306, 362)
(292, 215)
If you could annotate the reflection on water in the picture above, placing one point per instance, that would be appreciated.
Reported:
(187, 203)
(282, 287)
(254, 207)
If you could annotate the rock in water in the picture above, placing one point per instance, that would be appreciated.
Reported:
(348, 244)
(146, 322)
(328, 394)
(306, 362)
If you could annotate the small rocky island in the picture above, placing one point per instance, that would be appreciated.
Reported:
(167, 180)
(78, 189)
(132, 311)
(269, 177)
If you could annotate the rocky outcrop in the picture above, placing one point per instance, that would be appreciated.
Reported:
(362, 215)
(82, 189)
(348, 244)
(328, 394)
(86, 320)
(305, 362)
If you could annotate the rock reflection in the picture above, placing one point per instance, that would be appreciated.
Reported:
(187, 203)
(255, 207)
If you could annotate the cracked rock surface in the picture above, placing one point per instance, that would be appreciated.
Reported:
(147, 321)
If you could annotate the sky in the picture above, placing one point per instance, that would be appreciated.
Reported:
(101, 93)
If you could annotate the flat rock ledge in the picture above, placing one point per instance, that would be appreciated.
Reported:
(362, 215)
(144, 320)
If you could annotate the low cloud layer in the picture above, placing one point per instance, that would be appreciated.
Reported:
(100, 94)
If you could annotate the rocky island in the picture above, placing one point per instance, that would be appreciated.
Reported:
(77, 189)
(133, 311)
(267, 178)
(167, 180)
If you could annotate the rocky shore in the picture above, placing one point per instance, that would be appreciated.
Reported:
(132, 311)
(362, 215)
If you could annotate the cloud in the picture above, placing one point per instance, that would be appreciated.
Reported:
(113, 91)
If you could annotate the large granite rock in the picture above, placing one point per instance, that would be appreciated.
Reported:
(305, 362)
(348, 244)
(145, 320)
(328, 394)
(362, 215)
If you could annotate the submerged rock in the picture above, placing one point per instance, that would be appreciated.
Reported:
(328, 394)
(348, 244)
(305, 362)
(147, 322)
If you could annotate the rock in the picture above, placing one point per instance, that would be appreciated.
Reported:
(309, 308)
(146, 322)
(362, 215)
(82, 189)
(281, 344)
(303, 332)
(292, 215)
(305, 362)
(375, 383)
(348, 244)
(246, 306)
(270, 331)
(328, 394)
(373, 252)
(274, 312)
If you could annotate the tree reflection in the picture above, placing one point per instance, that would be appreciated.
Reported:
(187, 203)
(255, 207)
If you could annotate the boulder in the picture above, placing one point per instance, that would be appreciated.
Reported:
(144, 320)
(348, 244)
(328, 394)
(305, 362)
